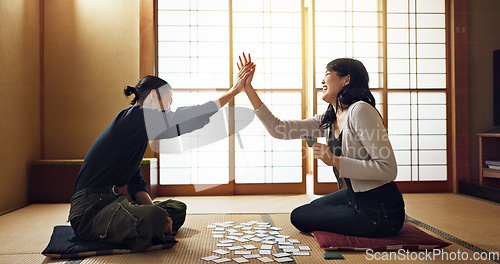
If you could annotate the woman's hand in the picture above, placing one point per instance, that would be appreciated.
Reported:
(247, 63)
(245, 75)
(322, 152)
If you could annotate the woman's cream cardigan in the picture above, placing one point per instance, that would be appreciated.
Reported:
(368, 158)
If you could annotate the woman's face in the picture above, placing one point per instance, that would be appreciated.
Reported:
(332, 84)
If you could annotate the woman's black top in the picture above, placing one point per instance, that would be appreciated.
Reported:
(387, 194)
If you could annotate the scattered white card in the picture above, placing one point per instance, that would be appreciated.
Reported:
(276, 228)
(224, 245)
(221, 251)
(283, 247)
(300, 253)
(293, 241)
(221, 260)
(249, 246)
(235, 248)
(211, 226)
(285, 259)
(219, 229)
(241, 260)
(274, 233)
(268, 247)
(218, 236)
(304, 248)
(265, 259)
(288, 250)
(285, 236)
(252, 256)
(242, 252)
(280, 255)
(209, 258)
(265, 252)
(256, 239)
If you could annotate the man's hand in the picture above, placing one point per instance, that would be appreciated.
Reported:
(168, 229)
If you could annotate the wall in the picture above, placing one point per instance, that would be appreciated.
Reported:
(484, 37)
(91, 53)
(19, 92)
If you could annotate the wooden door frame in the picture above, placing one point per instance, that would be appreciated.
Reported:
(458, 132)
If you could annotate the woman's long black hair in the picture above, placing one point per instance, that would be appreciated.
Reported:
(143, 88)
(356, 90)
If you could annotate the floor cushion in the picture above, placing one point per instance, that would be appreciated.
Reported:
(64, 244)
(410, 237)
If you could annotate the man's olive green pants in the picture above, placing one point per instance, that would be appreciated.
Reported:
(110, 218)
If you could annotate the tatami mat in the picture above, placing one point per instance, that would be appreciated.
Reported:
(26, 232)
(195, 242)
(468, 218)
(316, 257)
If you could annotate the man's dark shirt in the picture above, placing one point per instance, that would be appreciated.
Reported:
(116, 155)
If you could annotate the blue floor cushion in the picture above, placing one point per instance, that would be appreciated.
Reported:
(64, 244)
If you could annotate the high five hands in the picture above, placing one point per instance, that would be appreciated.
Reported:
(246, 65)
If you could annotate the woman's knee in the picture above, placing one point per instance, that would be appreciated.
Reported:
(299, 218)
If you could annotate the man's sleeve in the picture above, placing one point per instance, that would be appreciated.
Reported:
(169, 124)
(136, 184)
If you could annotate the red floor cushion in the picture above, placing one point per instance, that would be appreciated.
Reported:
(410, 237)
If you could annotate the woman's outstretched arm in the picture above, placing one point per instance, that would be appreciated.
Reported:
(282, 129)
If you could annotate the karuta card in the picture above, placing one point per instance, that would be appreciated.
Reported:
(221, 260)
(235, 248)
(252, 256)
(268, 247)
(221, 251)
(280, 255)
(243, 252)
(249, 246)
(224, 245)
(265, 259)
(209, 258)
(295, 241)
(304, 248)
(300, 253)
(241, 260)
(283, 247)
(265, 252)
(285, 259)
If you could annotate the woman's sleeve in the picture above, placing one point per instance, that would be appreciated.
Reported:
(289, 129)
(380, 164)
(168, 124)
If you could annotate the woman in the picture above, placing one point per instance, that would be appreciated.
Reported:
(97, 212)
(358, 150)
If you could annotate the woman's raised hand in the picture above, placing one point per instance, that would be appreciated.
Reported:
(242, 65)
(246, 72)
